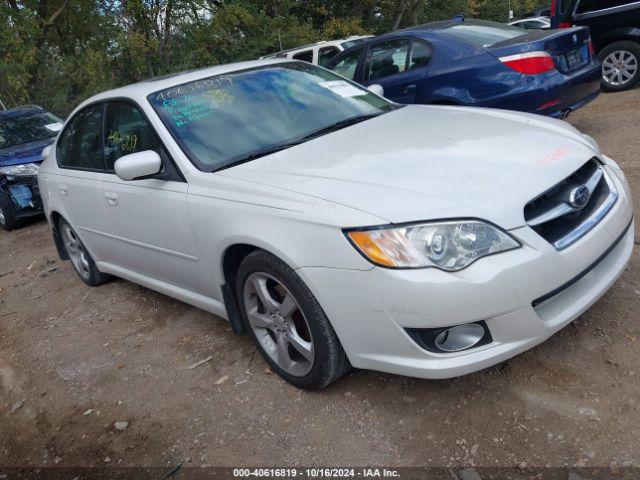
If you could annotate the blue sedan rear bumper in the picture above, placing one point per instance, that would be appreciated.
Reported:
(553, 94)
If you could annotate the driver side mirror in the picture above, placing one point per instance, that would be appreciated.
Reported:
(138, 165)
(377, 89)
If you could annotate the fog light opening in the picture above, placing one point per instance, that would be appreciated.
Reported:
(459, 338)
(452, 339)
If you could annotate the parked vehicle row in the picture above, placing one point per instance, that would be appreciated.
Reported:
(479, 63)
(615, 32)
(24, 133)
(337, 228)
(319, 53)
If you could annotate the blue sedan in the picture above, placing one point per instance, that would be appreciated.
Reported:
(479, 63)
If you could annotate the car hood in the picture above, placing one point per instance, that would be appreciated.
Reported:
(27, 153)
(424, 162)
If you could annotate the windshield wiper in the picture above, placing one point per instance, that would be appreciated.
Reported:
(282, 146)
(257, 154)
(338, 126)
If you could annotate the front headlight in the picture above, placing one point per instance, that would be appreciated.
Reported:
(24, 170)
(449, 245)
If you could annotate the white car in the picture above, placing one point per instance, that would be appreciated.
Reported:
(536, 23)
(336, 228)
(320, 53)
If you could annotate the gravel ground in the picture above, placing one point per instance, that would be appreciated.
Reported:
(76, 360)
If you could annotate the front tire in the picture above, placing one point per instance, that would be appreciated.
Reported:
(287, 323)
(80, 257)
(8, 219)
(620, 66)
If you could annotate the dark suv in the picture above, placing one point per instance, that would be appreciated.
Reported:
(615, 32)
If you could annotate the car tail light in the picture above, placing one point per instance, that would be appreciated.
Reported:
(592, 50)
(532, 63)
(564, 25)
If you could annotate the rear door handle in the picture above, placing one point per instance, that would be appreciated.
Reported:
(112, 198)
(410, 88)
(64, 190)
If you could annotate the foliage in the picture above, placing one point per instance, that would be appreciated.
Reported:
(57, 53)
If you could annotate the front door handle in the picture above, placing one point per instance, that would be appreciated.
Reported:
(112, 198)
(64, 190)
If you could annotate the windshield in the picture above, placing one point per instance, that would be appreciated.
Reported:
(482, 34)
(223, 120)
(28, 128)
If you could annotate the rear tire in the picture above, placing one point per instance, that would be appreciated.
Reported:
(620, 66)
(80, 257)
(287, 324)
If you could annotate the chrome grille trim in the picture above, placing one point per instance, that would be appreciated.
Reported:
(592, 220)
(564, 208)
(555, 216)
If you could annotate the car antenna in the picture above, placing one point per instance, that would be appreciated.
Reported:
(2, 105)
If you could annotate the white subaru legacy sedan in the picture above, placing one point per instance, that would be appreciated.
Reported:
(336, 228)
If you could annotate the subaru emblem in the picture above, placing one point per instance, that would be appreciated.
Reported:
(579, 197)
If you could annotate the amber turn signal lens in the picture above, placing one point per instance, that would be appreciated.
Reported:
(370, 249)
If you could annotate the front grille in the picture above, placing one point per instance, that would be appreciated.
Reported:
(559, 217)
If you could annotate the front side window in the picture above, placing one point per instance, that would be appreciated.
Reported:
(126, 131)
(348, 65)
(306, 56)
(80, 145)
(386, 59)
(27, 128)
(325, 55)
(233, 118)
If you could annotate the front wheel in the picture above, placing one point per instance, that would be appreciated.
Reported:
(620, 66)
(8, 220)
(287, 323)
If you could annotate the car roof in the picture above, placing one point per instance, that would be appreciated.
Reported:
(20, 111)
(146, 87)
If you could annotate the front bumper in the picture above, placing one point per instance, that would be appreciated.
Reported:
(371, 310)
(24, 195)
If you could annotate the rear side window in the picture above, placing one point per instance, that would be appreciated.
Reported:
(482, 34)
(386, 59)
(325, 55)
(80, 145)
(306, 56)
(127, 131)
(586, 6)
(420, 55)
(348, 65)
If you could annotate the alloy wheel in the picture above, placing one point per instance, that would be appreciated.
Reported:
(619, 68)
(76, 252)
(279, 324)
(2, 217)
